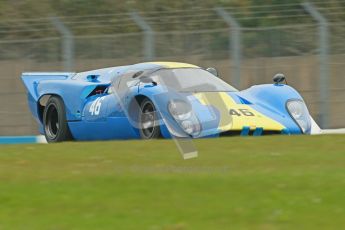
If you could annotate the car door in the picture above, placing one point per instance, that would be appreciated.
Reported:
(104, 119)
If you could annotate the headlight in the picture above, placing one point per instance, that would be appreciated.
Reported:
(180, 110)
(188, 126)
(299, 112)
(183, 114)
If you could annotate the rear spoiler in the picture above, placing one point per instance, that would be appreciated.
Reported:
(31, 80)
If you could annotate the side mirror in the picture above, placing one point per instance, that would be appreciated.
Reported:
(212, 71)
(279, 78)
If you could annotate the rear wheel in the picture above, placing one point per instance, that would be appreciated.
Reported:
(54, 120)
(149, 126)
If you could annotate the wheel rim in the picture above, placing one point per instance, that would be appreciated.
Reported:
(147, 120)
(52, 122)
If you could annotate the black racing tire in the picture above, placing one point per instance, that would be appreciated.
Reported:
(54, 121)
(148, 122)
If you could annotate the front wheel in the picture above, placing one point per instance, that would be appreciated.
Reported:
(54, 120)
(148, 122)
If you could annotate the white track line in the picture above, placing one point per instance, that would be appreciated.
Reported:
(333, 131)
(41, 139)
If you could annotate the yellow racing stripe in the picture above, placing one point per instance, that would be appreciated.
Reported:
(174, 65)
(235, 116)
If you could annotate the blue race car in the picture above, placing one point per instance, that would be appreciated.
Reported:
(160, 99)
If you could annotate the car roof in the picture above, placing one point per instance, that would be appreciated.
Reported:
(106, 74)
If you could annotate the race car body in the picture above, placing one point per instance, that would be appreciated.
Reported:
(160, 99)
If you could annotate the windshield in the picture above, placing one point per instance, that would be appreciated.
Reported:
(190, 80)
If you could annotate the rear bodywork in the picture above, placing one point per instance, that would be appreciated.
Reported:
(259, 110)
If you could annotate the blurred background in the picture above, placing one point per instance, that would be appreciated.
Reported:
(248, 41)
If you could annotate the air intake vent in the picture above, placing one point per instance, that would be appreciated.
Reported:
(250, 133)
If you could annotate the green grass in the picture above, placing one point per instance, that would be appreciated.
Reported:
(235, 183)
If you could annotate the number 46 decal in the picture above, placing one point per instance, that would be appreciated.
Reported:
(95, 107)
(240, 112)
